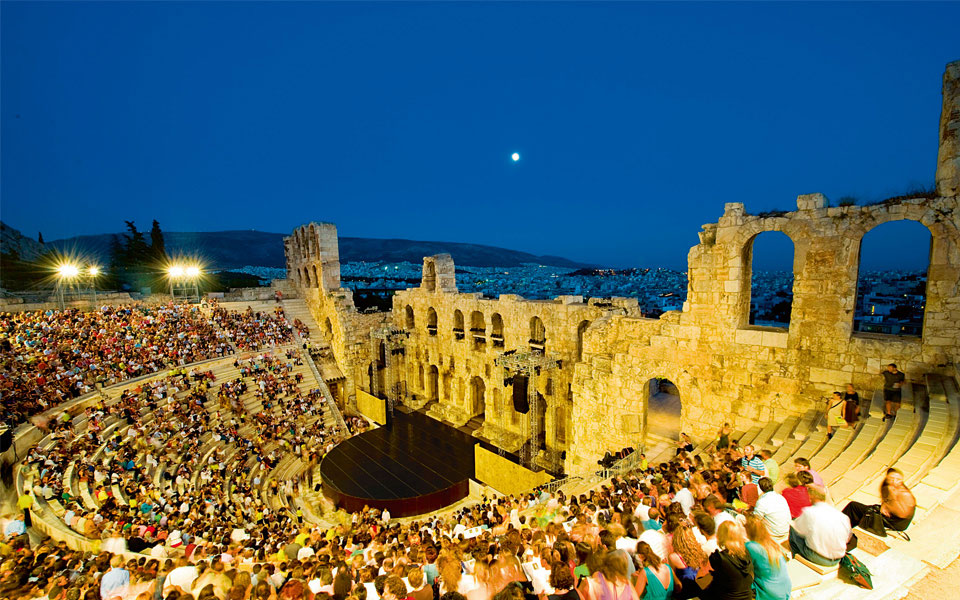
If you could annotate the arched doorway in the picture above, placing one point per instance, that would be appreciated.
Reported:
(477, 400)
(663, 412)
(433, 383)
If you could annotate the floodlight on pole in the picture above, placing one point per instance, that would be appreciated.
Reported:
(93, 271)
(68, 271)
(184, 281)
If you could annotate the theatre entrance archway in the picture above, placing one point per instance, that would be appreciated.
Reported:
(663, 414)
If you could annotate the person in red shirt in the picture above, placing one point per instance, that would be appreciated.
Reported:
(797, 495)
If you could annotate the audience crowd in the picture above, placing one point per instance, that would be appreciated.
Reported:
(175, 480)
(48, 357)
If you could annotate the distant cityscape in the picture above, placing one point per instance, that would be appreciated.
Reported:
(888, 302)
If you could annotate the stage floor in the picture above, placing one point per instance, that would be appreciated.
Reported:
(416, 465)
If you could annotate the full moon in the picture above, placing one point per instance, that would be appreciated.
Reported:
(515, 156)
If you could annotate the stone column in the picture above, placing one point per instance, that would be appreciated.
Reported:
(948, 159)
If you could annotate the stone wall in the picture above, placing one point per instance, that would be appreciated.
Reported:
(728, 370)
(445, 345)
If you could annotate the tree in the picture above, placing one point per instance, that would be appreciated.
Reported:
(137, 251)
(40, 237)
(118, 254)
(158, 249)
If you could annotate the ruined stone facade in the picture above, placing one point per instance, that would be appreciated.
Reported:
(441, 347)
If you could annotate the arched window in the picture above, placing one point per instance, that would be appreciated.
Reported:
(478, 329)
(892, 283)
(431, 321)
(410, 324)
(581, 330)
(316, 277)
(496, 330)
(458, 324)
(768, 264)
(538, 334)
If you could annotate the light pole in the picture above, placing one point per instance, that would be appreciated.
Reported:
(92, 272)
(65, 273)
(183, 282)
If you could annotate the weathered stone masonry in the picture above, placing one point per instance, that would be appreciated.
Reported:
(725, 369)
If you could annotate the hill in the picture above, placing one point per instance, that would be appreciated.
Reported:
(234, 249)
(14, 242)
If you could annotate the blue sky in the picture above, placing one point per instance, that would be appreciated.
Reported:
(635, 122)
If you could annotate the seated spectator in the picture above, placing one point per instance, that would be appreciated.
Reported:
(773, 509)
(797, 492)
(803, 465)
(732, 567)
(821, 533)
(897, 503)
(771, 581)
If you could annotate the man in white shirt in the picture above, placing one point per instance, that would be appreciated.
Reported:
(821, 533)
(714, 507)
(773, 508)
(685, 497)
(181, 577)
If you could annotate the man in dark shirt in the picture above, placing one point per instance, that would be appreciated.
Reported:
(892, 382)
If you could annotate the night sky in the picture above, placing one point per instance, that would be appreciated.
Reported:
(635, 122)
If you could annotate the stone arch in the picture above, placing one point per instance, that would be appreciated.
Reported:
(458, 324)
(329, 327)
(409, 321)
(421, 381)
(477, 396)
(316, 276)
(431, 321)
(773, 310)
(538, 334)
(664, 407)
(496, 325)
(477, 323)
(900, 308)
(581, 331)
(447, 387)
(433, 383)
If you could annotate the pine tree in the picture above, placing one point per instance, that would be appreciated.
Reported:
(118, 254)
(137, 251)
(158, 249)
(40, 237)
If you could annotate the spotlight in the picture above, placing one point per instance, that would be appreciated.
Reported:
(68, 271)
(193, 271)
(93, 271)
(175, 271)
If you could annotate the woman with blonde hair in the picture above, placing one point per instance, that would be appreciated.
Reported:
(771, 579)
(686, 559)
(614, 583)
(732, 566)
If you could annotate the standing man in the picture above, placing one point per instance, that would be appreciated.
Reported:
(25, 503)
(892, 382)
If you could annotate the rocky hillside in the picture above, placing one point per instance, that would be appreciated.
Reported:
(233, 249)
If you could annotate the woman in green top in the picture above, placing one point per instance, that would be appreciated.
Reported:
(656, 581)
(771, 581)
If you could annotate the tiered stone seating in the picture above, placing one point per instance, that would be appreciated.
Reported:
(893, 444)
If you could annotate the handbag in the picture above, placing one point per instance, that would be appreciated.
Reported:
(851, 568)
(872, 522)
